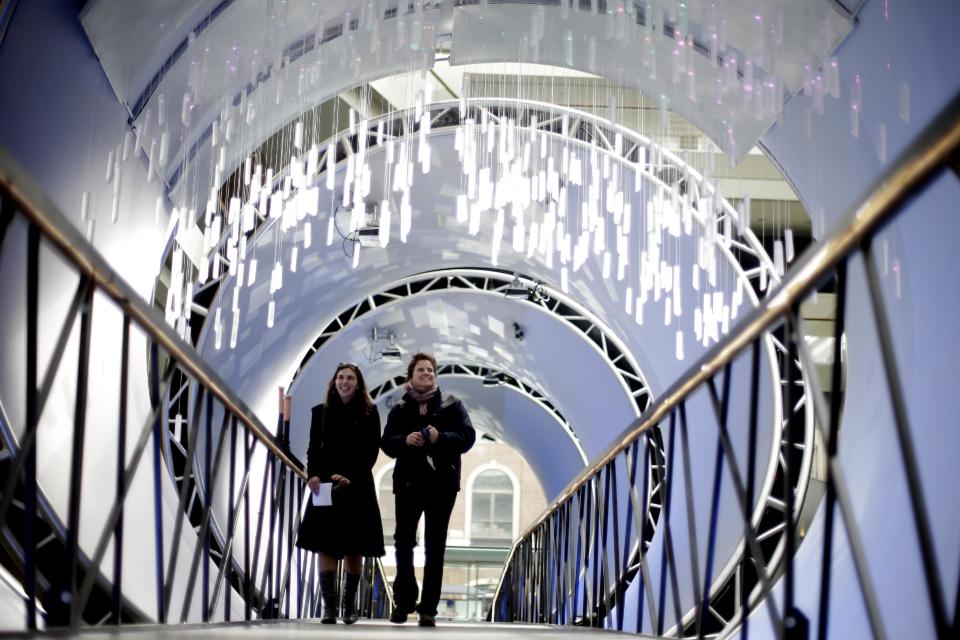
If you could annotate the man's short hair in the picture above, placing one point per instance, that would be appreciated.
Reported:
(417, 357)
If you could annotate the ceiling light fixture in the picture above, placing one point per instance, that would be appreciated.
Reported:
(492, 380)
(517, 290)
(368, 234)
(389, 352)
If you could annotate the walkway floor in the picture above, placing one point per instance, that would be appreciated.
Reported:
(368, 630)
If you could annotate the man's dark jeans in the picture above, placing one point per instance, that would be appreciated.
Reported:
(435, 506)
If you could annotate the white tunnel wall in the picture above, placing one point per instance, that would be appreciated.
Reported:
(382, 47)
(277, 96)
(60, 122)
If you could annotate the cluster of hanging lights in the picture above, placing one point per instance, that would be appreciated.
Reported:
(540, 192)
(523, 177)
(532, 199)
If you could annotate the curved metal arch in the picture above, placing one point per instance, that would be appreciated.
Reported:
(737, 245)
(659, 166)
(479, 372)
(741, 249)
(495, 281)
(490, 281)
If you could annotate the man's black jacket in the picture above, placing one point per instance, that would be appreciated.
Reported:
(455, 437)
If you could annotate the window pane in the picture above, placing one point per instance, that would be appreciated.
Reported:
(492, 511)
(481, 508)
(492, 480)
(503, 508)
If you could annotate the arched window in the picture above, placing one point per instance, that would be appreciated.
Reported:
(491, 512)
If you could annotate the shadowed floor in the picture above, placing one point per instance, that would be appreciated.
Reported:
(372, 630)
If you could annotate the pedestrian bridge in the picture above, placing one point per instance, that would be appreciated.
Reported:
(589, 564)
(759, 490)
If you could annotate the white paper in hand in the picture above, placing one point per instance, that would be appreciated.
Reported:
(323, 497)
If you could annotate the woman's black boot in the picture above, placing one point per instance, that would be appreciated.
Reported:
(328, 594)
(350, 584)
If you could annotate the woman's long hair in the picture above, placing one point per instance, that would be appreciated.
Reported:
(361, 397)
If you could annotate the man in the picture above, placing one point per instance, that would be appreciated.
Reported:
(427, 432)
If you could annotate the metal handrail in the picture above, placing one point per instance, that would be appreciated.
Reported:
(71, 243)
(937, 147)
(283, 473)
(928, 152)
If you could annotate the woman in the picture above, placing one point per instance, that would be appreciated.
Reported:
(344, 443)
(427, 432)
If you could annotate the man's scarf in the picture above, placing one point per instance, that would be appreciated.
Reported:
(422, 398)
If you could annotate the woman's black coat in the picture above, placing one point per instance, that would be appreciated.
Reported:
(455, 437)
(344, 441)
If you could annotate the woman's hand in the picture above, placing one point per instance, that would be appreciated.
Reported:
(415, 439)
(314, 484)
(339, 481)
(434, 434)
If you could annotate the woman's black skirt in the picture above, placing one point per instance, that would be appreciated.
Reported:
(351, 526)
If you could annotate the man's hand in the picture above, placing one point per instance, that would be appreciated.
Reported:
(314, 484)
(415, 439)
(434, 434)
(339, 481)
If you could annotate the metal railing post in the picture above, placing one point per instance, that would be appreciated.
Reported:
(121, 469)
(30, 464)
